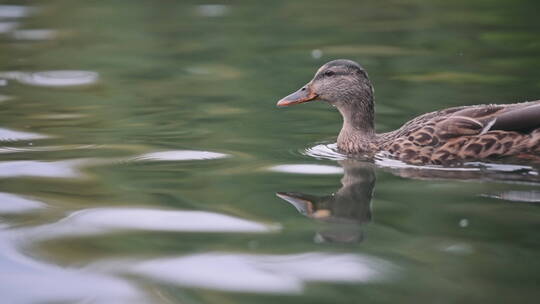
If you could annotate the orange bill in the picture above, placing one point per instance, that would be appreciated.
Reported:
(305, 94)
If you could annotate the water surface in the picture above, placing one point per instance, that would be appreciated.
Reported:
(142, 159)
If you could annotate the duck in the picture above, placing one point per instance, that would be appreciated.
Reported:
(457, 134)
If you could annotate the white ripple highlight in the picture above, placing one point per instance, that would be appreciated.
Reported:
(285, 274)
(61, 78)
(179, 155)
(11, 203)
(13, 135)
(307, 169)
(14, 11)
(31, 168)
(530, 196)
(106, 220)
(6, 27)
(25, 280)
(35, 34)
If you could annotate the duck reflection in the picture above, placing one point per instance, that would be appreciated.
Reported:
(343, 211)
(346, 210)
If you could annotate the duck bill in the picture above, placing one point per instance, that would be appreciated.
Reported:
(305, 94)
(298, 200)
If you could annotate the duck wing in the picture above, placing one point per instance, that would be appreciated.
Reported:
(519, 119)
(478, 120)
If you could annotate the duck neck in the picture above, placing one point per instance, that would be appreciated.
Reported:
(358, 132)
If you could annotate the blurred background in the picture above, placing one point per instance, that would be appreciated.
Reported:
(143, 160)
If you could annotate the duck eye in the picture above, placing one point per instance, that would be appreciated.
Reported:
(329, 73)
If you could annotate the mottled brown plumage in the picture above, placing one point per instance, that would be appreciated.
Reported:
(441, 137)
(466, 133)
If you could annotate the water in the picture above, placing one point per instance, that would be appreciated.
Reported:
(142, 159)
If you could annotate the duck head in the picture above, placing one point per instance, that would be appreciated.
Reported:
(345, 85)
(342, 83)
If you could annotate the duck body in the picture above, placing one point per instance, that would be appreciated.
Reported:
(440, 137)
(464, 133)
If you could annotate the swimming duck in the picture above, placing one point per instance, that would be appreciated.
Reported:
(440, 137)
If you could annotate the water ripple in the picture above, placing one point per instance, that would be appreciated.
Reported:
(466, 170)
(61, 78)
(179, 155)
(212, 10)
(4, 98)
(14, 11)
(12, 135)
(10, 203)
(6, 27)
(307, 169)
(8, 150)
(105, 220)
(324, 151)
(32, 168)
(24, 280)
(257, 273)
(531, 196)
(35, 34)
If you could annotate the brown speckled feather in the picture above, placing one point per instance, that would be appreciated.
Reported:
(466, 133)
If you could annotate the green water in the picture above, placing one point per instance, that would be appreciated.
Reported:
(156, 168)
